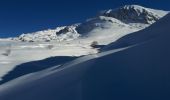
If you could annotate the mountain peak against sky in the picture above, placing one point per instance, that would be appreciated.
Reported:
(29, 16)
(133, 6)
(129, 18)
(134, 14)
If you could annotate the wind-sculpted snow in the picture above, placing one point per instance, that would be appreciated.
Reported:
(137, 72)
(61, 83)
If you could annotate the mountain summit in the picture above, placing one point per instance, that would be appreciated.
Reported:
(134, 14)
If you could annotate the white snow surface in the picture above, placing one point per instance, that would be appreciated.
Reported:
(22, 52)
(141, 43)
(71, 40)
(139, 69)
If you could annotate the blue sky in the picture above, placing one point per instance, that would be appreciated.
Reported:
(23, 16)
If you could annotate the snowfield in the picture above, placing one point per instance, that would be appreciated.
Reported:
(133, 64)
(22, 52)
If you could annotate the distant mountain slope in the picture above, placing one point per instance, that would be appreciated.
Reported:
(138, 71)
(109, 24)
(59, 34)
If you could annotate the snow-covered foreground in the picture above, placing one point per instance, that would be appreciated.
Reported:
(137, 70)
(22, 52)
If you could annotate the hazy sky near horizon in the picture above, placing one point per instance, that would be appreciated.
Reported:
(23, 16)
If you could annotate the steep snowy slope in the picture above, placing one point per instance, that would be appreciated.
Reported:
(142, 36)
(138, 71)
(108, 25)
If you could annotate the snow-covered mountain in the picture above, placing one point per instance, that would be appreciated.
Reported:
(136, 67)
(134, 14)
(109, 24)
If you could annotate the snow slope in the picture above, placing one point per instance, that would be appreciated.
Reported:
(135, 71)
(22, 52)
(142, 35)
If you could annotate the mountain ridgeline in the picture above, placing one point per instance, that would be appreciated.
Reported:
(129, 18)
